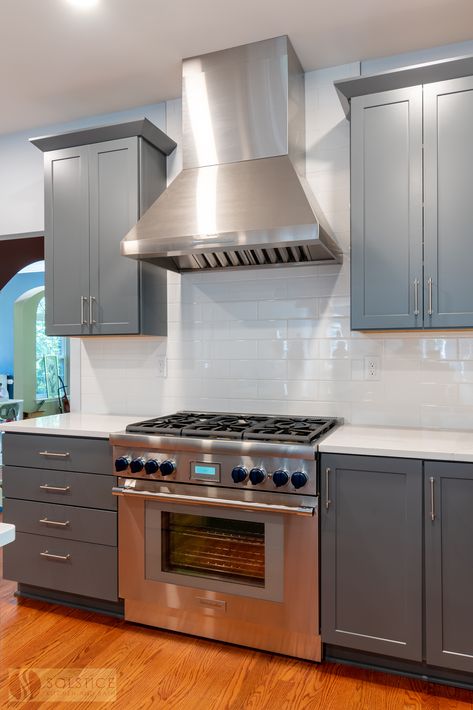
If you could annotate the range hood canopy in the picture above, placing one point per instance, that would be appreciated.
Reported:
(241, 198)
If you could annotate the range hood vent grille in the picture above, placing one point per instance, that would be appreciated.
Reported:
(252, 257)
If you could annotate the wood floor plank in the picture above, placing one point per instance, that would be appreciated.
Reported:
(159, 670)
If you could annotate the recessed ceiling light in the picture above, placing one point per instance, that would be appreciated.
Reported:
(83, 4)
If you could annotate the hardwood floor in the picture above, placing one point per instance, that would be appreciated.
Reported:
(157, 669)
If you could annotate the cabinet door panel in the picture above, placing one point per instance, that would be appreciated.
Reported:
(386, 209)
(114, 208)
(67, 241)
(449, 565)
(371, 543)
(448, 177)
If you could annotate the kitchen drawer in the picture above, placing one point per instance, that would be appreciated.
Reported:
(88, 570)
(82, 489)
(84, 524)
(62, 453)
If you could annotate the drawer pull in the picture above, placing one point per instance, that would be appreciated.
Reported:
(58, 523)
(55, 489)
(50, 556)
(58, 455)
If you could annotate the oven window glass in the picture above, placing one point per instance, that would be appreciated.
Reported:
(215, 548)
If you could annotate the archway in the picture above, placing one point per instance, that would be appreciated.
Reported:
(18, 251)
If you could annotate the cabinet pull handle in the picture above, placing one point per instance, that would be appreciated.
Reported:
(432, 498)
(429, 288)
(92, 320)
(416, 297)
(58, 523)
(58, 454)
(50, 556)
(55, 489)
(327, 483)
(83, 318)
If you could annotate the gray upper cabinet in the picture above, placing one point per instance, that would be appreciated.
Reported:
(94, 194)
(371, 552)
(411, 177)
(448, 211)
(449, 565)
(386, 217)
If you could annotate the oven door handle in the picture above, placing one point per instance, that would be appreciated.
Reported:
(215, 502)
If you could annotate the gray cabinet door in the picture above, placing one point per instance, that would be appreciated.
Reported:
(114, 209)
(386, 209)
(371, 550)
(449, 565)
(448, 211)
(67, 241)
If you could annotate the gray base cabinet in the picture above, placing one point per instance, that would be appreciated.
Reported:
(371, 552)
(397, 559)
(58, 494)
(449, 565)
(411, 207)
(94, 194)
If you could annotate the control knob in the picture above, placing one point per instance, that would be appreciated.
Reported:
(122, 463)
(137, 465)
(257, 475)
(239, 474)
(167, 467)
(151, 466)
(299, 479)
(280, 478)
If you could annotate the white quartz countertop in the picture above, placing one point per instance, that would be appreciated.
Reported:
(96, 426)
(437, 444)
(7, 533)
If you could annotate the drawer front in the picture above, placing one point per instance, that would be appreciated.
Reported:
(78, 568)
(66, 522)
(62, 453)
(82, 489)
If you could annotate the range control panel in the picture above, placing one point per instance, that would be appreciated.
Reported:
(283, 474)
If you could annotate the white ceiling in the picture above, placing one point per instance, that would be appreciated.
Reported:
(58, 63)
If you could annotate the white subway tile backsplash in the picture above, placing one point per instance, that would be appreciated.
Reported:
(279, 340)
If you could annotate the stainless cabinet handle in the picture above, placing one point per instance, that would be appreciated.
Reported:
(55, 489)
(429, 288)
(432, 498)
(57, 454)
(327, 483)
(215, 502)
(50, 556)
(83, 318)
(92, 320)
(416, 297)
(57, 523)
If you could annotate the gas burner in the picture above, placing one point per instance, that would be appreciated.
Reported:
(256, 427)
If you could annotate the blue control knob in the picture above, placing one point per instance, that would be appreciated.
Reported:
(167, 467)
(257, 475)
(239, 474)
(137, 465)
(151, 466)
(121, 463)
(280, 478)
(299, 479)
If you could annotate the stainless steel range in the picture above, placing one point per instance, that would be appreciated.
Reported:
(218, 527)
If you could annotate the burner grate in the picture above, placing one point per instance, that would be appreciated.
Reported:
(248, 427)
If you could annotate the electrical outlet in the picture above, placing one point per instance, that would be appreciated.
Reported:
(372, 368)
(162, 366)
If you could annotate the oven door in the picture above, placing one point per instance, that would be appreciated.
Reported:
(224, 569)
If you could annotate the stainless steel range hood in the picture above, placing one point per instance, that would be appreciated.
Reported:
(241, 199)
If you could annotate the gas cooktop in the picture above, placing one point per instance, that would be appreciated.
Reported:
(246, 427)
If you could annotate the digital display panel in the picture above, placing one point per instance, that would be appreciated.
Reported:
(201, 471)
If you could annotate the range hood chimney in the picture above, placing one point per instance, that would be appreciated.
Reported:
(241, 199)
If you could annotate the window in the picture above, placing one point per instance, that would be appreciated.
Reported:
(51, 353)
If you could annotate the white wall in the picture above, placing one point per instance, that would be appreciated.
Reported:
(279, 340)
